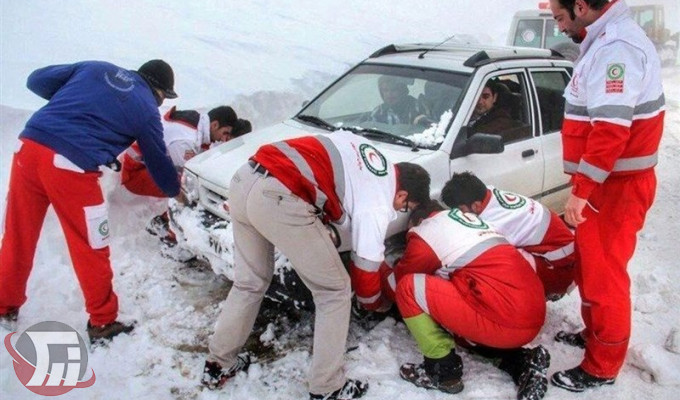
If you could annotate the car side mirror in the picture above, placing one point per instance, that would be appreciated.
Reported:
(478, 143)
(484, 143)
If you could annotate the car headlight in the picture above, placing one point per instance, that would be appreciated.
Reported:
(190, 186)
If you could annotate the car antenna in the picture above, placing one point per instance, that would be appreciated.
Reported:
(421, 55)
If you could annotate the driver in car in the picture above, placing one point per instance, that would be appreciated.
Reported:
(398, 106)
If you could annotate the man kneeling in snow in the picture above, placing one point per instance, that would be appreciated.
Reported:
(460, 277)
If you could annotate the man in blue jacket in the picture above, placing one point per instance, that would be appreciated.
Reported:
(95, 110)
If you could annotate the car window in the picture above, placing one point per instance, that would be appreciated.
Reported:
(549, 90)
(502, 109)
(553, 35)
(529, 33)
(402, 101)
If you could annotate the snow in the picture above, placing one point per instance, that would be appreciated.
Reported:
(265, 58)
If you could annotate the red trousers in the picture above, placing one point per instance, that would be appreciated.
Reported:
(452, 308)
(605, 243)
(137, 179)
(40, 178)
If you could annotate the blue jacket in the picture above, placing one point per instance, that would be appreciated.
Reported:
(95, 111)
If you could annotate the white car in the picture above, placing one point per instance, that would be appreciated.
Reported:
(442, 83)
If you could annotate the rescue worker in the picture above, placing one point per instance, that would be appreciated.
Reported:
(95, 110)
(282, 197)
(186, 133)
(458, 276)
(538, 233)
(611, 132)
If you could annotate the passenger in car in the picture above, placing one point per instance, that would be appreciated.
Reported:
(459, 278)
(539, 233)
(490, 114)
(436, 99)
(281, 198)
(398, 106)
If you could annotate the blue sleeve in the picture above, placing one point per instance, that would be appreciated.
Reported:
(45, 82)
(157, 160)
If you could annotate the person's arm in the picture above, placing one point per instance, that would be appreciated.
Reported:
(157, 161)
(557, 246)
(418, 258)
(368, 248)
(180, 152)
(45, 82)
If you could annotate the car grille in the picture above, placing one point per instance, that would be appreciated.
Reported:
(212, 200)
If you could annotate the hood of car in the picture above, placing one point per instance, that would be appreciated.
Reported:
(218, 165)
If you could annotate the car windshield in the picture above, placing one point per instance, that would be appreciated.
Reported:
(403, 105)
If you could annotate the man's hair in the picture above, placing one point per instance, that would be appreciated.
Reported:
(423, 211)
(594, 4)
(415, 180)
(463, 189)
(241, 127)
(224, 115)
(492, 85)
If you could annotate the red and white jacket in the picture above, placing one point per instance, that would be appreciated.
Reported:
(614, 103)
(487, 270)
(350, 182)
(530, 226)
(185, 133)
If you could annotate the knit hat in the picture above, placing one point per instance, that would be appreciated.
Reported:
(159, 75)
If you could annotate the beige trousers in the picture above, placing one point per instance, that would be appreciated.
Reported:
(266, 214)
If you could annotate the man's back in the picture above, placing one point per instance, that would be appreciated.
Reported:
(95, 111)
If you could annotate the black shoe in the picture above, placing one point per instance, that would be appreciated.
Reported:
(442, 374)
(571, 339)
(215, 377)
(578, 380)
(352, 389)
(102, 334)
(8, 320)
(159, 225)
(533, 381)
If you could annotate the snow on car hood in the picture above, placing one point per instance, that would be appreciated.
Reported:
(219, 164)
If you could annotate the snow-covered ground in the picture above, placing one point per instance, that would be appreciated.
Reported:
(267, 59)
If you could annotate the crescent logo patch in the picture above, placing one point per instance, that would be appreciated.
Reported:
(509, 200)
(469, 220)
(374, 160)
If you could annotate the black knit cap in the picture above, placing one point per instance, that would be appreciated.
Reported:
(159, 74)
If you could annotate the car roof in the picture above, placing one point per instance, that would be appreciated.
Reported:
(456, 56)
(533, 14)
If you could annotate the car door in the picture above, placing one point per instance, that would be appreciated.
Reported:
(519, 168)
(548, 85)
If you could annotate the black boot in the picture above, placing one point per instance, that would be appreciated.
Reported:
(578, 380)
(8, 320)
(571, 339)
(214, 376)
(102, 334)
(533, 381)
(444, 374)
(352, 389)
(528, 369)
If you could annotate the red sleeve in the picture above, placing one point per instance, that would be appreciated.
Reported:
(365, 275)
(557, 247)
